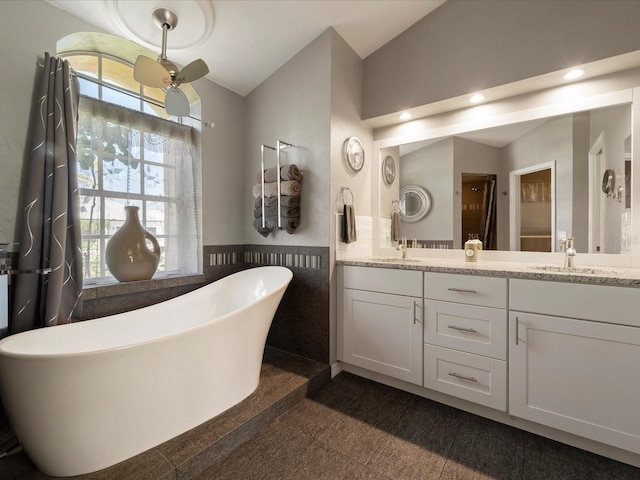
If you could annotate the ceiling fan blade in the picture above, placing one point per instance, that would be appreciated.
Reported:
(150, 73)
(176, 103)
(195, 70)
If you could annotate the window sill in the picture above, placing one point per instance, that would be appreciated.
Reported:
(104, 290)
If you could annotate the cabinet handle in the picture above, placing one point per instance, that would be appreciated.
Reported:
(462, 329)
(415, 306)
(517, 323)
(462, 377)
(462, 290)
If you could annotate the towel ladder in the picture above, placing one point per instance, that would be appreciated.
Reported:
(280, 145)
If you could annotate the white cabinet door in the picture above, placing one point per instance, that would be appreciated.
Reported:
(383, 333)
(577, 376)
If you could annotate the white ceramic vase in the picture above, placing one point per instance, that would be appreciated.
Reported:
(127, 255)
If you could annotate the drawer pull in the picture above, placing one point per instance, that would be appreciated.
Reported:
(462, 329)
(462, 377)
(462, 290)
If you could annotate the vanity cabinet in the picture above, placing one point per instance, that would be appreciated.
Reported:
(465, 350)
(380, 321)
(577, 370)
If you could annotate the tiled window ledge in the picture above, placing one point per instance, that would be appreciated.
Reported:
(124, 288)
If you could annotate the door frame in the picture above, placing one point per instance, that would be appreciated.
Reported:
(514, 202)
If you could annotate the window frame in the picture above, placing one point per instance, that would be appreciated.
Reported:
(100, 194)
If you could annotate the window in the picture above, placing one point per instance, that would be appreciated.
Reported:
(128, 154)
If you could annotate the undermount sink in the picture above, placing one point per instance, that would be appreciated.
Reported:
(583, 270)
(395, 260)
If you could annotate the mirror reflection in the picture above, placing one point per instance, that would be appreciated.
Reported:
(525, 186)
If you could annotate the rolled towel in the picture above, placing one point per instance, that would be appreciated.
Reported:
(257, 224)
(271, 212)
(287, 172)
(285, 201)
(288, 224)
(289, 187)
(349, 224)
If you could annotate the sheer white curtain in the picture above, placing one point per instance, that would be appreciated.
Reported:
(130, 157)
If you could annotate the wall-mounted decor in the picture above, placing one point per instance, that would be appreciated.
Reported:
(353, 153)
(608, 182)
(415, 203)
(389, 170)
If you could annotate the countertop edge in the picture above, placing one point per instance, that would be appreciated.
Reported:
(504, 270)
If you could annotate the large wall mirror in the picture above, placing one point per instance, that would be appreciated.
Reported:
(525, 185)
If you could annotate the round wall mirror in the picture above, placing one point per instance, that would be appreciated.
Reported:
(415, 203)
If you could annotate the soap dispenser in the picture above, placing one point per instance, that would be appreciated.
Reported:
(471, 248)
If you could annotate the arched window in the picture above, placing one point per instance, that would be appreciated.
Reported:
(130, 152)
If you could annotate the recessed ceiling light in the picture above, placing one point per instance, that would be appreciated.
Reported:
(573, 74)
(477, 98)
(405, 116)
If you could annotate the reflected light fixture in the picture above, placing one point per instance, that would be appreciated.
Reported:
(476, 98)
(574, 74)
(405, 116)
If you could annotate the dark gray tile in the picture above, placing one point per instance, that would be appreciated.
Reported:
(266, 456)
(419, 444)
(364, 427)
(483, 450)
(549, 460)
(320, 462)
(369, 474)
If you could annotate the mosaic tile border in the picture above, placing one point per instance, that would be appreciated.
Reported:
(299, 260)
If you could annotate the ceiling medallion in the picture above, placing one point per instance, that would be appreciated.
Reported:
(196, 15)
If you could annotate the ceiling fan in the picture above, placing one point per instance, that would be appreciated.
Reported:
(164, 73)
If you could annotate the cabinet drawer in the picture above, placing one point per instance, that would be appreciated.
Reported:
(385, 280)
(589, 302)
(484, 291)
(478, 379)
(472, 329)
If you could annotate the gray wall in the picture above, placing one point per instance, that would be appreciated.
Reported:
(551, 141)
(431, 167)
(615, 123)
(469, 45)
(294, 105)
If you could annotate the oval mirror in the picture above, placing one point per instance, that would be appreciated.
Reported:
(415, 203)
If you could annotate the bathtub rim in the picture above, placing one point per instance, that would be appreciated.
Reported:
(62, 355)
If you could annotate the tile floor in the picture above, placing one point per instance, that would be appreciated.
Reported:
(357, 429)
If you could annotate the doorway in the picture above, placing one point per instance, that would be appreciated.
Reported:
(479, 208)
(532, 208)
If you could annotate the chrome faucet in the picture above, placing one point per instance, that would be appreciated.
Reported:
(402, 246)
(569, 252)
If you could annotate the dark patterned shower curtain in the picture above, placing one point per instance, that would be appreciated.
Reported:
(50, 235)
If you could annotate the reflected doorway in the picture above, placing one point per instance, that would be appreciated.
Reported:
(532, 208)
(479, 208)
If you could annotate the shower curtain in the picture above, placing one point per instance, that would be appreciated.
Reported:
(50, 235)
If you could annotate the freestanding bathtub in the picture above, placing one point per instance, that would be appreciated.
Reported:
(87, 395)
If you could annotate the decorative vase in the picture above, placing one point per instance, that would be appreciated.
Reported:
(127, 255)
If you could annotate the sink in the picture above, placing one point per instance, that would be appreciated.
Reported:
(583, 270)
(395, 260)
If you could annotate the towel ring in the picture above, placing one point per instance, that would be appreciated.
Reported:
(342, 192)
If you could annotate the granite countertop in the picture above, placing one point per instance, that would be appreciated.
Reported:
(601, 275)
